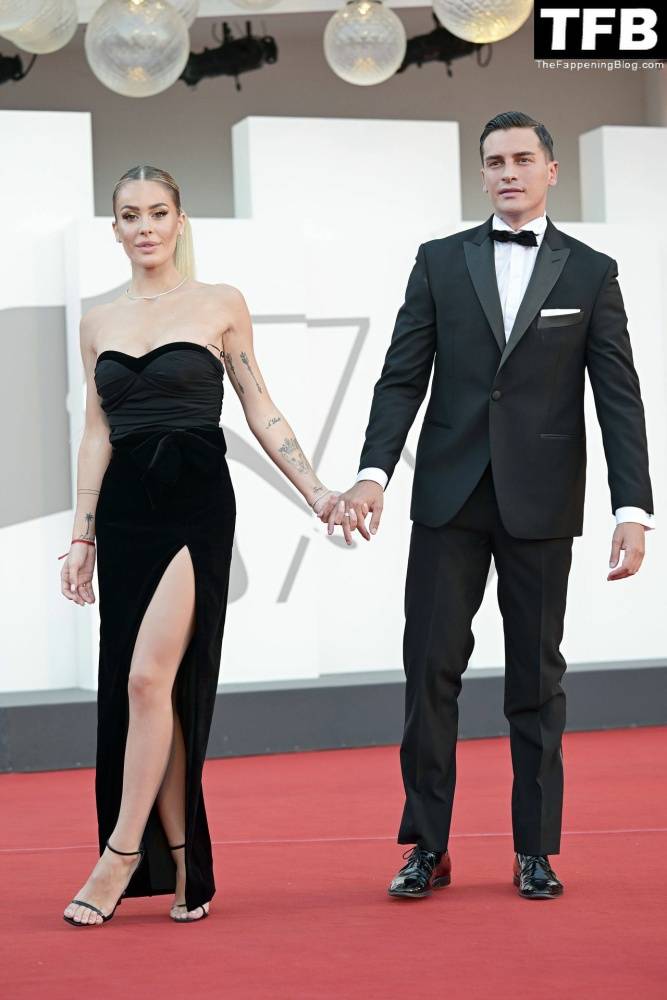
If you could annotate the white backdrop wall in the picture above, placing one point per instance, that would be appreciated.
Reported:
(188, 130)
(323, 271)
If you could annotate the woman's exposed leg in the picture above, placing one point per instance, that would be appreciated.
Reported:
(171, 796)
(162, 639)
(171, 809)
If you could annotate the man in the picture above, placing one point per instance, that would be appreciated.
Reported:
(510, 315)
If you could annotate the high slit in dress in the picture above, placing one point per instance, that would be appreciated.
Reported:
(167, 485)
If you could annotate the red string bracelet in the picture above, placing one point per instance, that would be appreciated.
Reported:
(85, 542)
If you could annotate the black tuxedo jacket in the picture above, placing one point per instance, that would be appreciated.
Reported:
(521, 404)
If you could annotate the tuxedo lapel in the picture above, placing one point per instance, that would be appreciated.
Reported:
(482, 269)
(549, 263)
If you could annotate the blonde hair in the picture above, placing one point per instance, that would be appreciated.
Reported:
(184, 257)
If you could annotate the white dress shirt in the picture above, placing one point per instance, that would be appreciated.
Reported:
(514, 266)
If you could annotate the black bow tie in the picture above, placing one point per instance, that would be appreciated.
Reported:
(526, 237)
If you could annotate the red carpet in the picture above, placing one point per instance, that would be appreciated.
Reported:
(304, 848)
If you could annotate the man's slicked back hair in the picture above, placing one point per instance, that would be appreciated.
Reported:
(517, 119)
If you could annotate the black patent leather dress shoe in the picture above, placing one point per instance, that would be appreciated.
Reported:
(535, 878)
(425, 870)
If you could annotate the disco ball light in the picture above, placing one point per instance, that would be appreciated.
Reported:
(364, 43)
(137, 48)
(482, 21)
(14, 13)
(188, 9)
(50, 30)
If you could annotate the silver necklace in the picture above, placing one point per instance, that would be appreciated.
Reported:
(166, 292)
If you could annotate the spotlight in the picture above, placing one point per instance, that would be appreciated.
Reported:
(233, 57)
(441, 45)
(11, 68)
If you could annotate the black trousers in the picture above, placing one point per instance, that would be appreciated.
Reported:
(447, 572)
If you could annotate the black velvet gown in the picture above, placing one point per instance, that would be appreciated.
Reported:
(167, 485)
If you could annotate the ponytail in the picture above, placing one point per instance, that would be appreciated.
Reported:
(184, 258)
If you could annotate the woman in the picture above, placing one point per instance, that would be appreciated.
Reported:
(154, 490)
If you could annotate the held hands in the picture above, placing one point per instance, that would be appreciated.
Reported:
(351, 509)
(628, 538)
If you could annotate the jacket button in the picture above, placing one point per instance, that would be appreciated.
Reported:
(496, 394)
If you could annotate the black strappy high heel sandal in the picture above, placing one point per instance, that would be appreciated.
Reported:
(186, 920)
(89, 906)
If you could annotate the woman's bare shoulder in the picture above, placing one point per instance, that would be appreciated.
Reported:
(223, 294)
(92, 319)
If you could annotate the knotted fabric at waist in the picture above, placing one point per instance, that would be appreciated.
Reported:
(163, 455)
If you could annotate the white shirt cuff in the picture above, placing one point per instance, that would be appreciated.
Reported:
(376, 475)
(636, 514)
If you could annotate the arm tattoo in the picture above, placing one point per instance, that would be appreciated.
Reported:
(89, 524)
(230, 365)
(244, 359)
(272, 421)
(318, 493)
(290, 449)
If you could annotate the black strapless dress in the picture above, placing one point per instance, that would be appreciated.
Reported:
(167, 485)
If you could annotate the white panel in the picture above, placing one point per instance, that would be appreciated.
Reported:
(40, 627)
(622, 174)
(46, 166)
(46, 180)
(592, 176)
(338, 173)
(32, 264)
(46, 184)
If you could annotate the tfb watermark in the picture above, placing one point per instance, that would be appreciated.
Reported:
(601, 31)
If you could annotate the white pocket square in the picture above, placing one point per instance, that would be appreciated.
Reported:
(558, 312)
